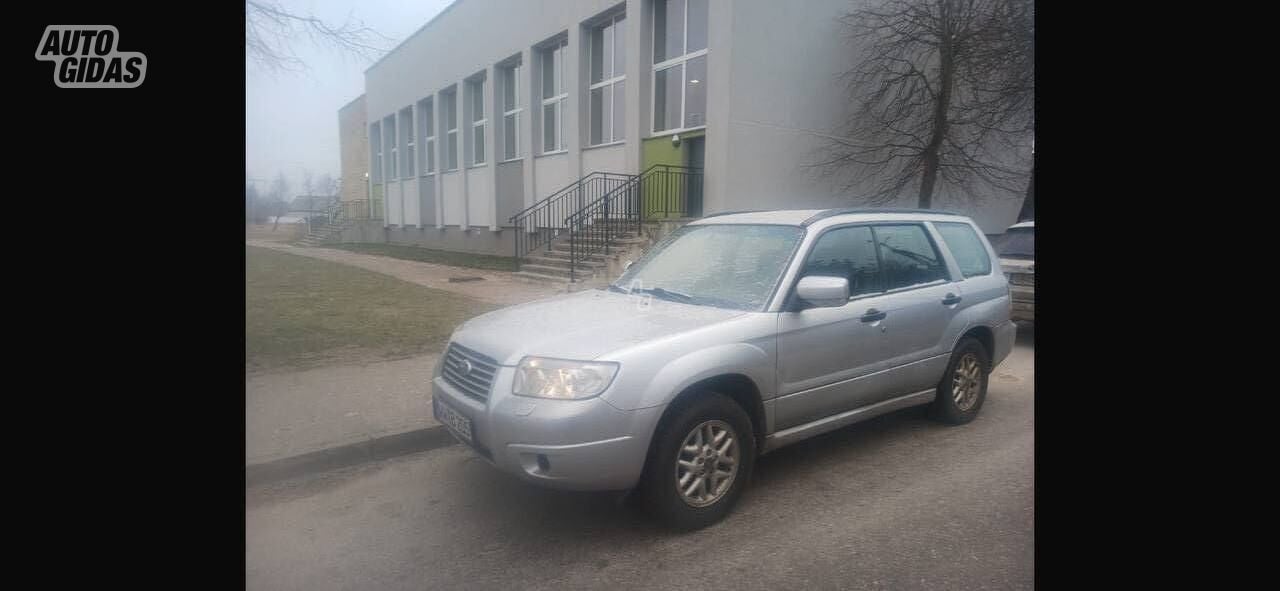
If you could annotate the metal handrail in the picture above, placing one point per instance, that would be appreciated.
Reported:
(540, 223)
(668, 193)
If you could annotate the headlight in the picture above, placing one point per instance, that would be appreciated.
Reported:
(563, 379)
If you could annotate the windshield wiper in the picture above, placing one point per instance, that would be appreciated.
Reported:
(667, 294)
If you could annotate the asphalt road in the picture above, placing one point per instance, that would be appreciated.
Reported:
(898, 502)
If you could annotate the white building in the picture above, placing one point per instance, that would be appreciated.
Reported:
(495, 105)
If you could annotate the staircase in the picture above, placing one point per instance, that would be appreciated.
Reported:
(556, 263)
(582, 232)
(337, 218)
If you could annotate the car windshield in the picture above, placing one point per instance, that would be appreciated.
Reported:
(723, 265)
(1018, 243)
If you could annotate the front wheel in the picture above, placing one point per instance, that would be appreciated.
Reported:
(964, 385)
(701, 460)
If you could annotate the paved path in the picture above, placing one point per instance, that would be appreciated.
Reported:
(898, 502)
(290, 414)
(295, 413)
(498, 287)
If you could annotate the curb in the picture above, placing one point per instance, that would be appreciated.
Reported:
(343, 456)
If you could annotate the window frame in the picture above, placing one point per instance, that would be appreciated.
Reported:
(557, 49)
(790, 302)
(610, 21)
(513, 70)
(451, 134)
(391, 141)
(377, 152)
(408, 168)
(671, 62)
(426, 120)
(475, 89)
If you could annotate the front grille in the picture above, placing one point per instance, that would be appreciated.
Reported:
(475, 383)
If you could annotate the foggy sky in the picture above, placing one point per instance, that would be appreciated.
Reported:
(291, 119)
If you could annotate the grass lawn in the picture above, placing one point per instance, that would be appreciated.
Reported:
(427, 255)
(303, 312)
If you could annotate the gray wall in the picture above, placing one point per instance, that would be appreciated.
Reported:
(476, 240)
(785, 101)
(510, 190)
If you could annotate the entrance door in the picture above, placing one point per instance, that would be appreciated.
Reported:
(694, 158)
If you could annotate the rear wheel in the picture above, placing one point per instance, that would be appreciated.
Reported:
(963, 388)
(701, 460)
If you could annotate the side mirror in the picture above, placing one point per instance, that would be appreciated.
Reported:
(819, 291)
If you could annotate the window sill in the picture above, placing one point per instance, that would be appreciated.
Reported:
(555, 153)
(481, 165)
(608, 145)
(516, 159)
(670, 132)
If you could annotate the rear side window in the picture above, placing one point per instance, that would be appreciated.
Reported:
(847, 252)
(966, 247)
(907, 256)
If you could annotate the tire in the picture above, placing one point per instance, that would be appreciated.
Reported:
(961, 392)
(658, 490)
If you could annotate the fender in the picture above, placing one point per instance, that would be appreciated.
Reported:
(747, 359)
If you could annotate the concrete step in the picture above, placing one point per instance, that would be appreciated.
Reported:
(550, 271)
(539, 278)
(561, 263)
(564, 256)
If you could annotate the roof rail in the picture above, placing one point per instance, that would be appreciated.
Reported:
(847, 210)
(716, 215)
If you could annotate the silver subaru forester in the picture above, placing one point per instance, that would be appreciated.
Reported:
(733, 336)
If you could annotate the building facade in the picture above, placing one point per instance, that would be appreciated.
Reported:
(353, 145)
(496, 104)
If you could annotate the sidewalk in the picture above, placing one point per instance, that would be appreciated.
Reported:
(296, 413)
(498, 287)
(290, 414)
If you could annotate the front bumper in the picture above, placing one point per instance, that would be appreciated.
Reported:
(567, 444)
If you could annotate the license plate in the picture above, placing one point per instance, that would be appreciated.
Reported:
(460, 425)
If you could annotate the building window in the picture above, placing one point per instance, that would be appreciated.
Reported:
(450, 105)
(554, 95)
(679, 64)
(608, 84)
(511, 112)
(426, 113)
(478, 121)
(389, 138)
(406, 131)
(375, 140)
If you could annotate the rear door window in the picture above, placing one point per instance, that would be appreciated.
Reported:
(907, 256)
(966, 247)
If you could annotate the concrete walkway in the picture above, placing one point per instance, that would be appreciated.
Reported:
(498, 287)
(291, 414)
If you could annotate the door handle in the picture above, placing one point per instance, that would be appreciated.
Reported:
(873, 315)
(951, 299)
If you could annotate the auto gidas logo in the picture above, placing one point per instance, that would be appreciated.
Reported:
(86, 56)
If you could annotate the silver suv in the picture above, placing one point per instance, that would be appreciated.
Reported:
(735, 335)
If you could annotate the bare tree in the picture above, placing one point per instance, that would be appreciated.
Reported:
(945, 97)
(279, 193)
(325, 185)
(270, 32)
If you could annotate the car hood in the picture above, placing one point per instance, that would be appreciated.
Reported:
(583, 325)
